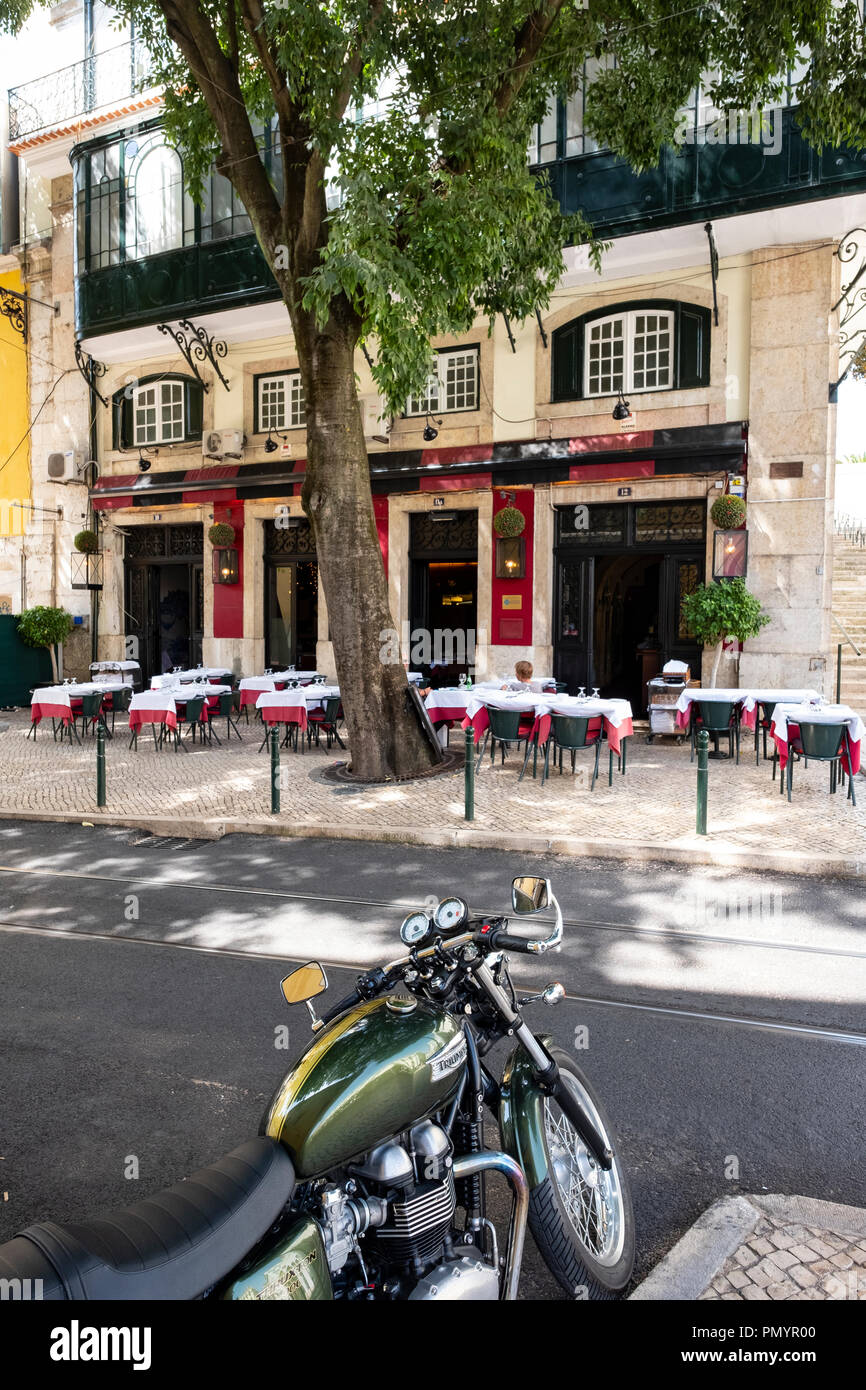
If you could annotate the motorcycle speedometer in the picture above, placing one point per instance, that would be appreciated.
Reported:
(451, 914)
(415, 928)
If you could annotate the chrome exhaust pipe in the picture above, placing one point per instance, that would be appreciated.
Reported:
(497, 1162)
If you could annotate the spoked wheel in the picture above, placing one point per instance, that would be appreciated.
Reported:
(581, 1215)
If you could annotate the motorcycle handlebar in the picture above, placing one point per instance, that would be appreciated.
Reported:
(354, 997)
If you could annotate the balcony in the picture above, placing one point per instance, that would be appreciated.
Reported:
(185, 282)
(63, 96)
(699, 181)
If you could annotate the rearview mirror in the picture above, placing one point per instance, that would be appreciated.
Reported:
(304, 983)
(530, 894)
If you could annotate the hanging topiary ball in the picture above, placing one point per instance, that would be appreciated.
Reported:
(221, 534)
(728, 512)
(87, 542)
(509, 522)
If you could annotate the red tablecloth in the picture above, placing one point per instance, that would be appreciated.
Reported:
(137, 717)
(288, 713)
(47, 710)
(793, 733)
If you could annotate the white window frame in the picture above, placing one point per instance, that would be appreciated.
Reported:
(629, 321)
(294, 406)
(433, 399)
(158, 397)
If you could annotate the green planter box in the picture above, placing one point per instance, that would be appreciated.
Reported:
(21, 667)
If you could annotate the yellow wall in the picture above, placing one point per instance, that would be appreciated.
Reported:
(14, 419)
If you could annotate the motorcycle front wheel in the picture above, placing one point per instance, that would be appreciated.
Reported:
(581, 1215)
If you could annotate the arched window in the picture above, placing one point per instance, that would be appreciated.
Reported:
(158, 194)
(650, 345)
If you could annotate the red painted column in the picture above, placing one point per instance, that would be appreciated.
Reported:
(380, 511)
(512, 598)
(228, 599)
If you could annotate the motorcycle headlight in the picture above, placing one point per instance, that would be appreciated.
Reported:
(451, 914)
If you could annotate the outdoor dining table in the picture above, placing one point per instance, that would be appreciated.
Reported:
(251, 687)
(196, 673)
(787, 719)
(152, 707)
(615, 715)
(57, 701)
(747, 697)
(291, 706)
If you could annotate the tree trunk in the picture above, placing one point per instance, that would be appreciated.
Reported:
(716, 660)
(52, 648)
(385, 737)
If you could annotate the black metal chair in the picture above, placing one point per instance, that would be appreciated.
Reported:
(120, 702)
(821, 743)
(570, 734)
(192, 718)
(225, 708)
(326, 722)
(504, 730)
(717, 717)
(91, 713)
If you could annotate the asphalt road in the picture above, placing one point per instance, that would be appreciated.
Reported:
(139, 997)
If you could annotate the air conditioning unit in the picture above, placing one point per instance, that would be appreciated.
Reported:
(66, 467)
(376, 416)
(219, 444)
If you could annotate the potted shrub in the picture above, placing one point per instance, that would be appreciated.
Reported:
(45, 627)
(728, 512)
(87, 542)
(509, 522)
(723, 609)
(222, 533)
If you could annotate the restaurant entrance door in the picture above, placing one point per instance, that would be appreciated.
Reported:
(621, 573)
(443, 553)
(291, 596)
(164, 596)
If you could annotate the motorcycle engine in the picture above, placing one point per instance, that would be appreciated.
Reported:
(401, 1199)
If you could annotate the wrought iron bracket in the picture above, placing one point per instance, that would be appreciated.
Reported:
(197, 347)
(541, 327)
(13, 306)
(91, 370)
(714, 269)
(507, 323)
(851, 302)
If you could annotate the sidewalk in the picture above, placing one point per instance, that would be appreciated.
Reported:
(766, 1248)
(647, 815)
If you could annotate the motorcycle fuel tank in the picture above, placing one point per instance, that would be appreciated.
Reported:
(376, 1070)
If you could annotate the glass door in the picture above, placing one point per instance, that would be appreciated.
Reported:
(573, 621)
(280, 627)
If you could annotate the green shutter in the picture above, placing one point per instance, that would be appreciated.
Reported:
(194, 405)
(121, 419)
(693, 346)
(567, 361)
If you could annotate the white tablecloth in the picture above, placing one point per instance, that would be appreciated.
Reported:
(172, 677)
(308, 695)
(785, 714)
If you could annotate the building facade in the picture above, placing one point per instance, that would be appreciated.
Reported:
(700, 361)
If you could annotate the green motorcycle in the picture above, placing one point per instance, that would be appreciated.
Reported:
(368, 1178)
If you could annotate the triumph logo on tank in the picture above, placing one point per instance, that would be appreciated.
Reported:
(451, 1056)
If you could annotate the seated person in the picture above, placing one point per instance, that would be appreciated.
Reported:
(523, 676)
(423, 690)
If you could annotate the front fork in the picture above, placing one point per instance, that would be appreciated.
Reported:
(545, 1073)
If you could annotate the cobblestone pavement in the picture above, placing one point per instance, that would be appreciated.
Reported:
(654, 804)
(786, 1262)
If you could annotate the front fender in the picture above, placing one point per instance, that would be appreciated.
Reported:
(521, 1115)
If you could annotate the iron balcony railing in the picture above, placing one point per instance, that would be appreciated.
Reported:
(853, 528)
(60, 96)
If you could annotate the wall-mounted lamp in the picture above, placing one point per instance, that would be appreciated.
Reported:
(430, 431)
(143, 463)
(225, 565)
(730, 554)
(621, 410)
(510, 557)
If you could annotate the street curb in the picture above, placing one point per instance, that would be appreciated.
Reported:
(696, 1259)
(690, 1267)
(691, 853)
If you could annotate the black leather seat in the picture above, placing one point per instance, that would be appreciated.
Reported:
(174, 1245)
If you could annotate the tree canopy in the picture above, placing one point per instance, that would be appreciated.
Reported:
(416, 113)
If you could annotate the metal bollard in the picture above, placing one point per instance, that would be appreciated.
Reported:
(703, 779)
(275, 770)
(469, 775)
(839, 674)
(100, 765)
